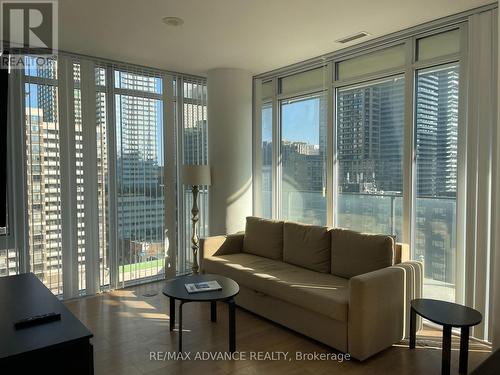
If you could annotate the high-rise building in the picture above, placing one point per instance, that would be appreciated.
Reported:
(139, 164)
(370, 144)
(46, 94)
(369, 132)
(44, 199)
(436, 139)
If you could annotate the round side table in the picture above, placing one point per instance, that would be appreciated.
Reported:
(176, 289)
(448, 315)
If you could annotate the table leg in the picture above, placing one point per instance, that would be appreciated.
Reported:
(172, 313)
(413, 327)
(91, 358)
(445, 365)
(464, 350)
(232, 326)
(213, 311)
(180, 326)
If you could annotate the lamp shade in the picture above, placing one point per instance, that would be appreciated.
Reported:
(196, 175)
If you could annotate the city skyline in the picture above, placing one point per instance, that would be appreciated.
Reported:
(370, 136)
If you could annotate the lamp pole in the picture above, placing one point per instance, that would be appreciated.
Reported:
(195, 239)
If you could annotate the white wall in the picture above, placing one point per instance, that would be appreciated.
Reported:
(230, 148)
(496, 211)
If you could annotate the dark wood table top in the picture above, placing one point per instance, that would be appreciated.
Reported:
(23, 296)
(175, 288)
(446, 313)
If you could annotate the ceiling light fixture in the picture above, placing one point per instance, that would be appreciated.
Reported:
(172, 21)
(350, 38)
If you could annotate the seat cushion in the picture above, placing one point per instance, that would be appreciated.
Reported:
(307, 246)
(264, 238)
(355, 253)
(320, 292)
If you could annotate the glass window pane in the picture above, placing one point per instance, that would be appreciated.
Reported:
(43, 177)
(42, 68)
(76, 73)
(267, 91)
(436, 154)
(100, 76)
(138, 82)
(140, 185)
(309, 80)
(80, 212)
(103, 188)
(9, 262)
(372, 62)
(303, 157)
(439, 45)
(267, 152)
(195, 148)
(370, 130)
(102, 181)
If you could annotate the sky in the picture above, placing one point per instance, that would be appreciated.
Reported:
(299, 119)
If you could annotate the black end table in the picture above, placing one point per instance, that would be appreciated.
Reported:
(448, 315)
(175, 289)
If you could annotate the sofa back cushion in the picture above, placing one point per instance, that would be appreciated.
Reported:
(307, 246)
(264, 238)
(355, 253)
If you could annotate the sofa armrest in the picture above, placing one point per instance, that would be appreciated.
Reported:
(414, 276)
(376, 311)
(220, 245)
(401, 252)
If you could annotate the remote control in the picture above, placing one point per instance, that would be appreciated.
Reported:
(37, 319)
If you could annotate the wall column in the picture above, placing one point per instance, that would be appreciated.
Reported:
(230, 148)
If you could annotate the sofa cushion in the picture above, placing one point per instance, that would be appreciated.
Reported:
(319, 292)
(355, 253)
(307, 246)
(264, 238)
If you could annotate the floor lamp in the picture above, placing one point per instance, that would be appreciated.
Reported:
(196, 176)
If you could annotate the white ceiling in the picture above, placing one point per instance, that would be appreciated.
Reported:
(256, 35)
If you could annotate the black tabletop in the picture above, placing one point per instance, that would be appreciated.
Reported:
(176, 288)
(22, 296)
(446, 313)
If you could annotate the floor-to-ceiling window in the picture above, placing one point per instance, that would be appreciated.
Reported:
(43, 173)
(386, 122)
(370, 137)
(102, 175)
(436, 135)
(194, 132)
(140, 164)
(300, 183)
(94, 150)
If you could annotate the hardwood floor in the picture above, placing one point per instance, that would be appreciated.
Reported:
(128, 326)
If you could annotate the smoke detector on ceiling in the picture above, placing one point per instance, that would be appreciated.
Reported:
(352, 37)
(172, 21)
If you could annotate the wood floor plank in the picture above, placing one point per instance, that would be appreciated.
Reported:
(128, 326)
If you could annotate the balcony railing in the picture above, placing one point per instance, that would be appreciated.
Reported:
(434, 230)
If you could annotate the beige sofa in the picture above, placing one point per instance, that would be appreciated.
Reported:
(345, 289)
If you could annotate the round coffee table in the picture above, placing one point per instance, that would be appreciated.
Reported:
(175, 289)
(448, 315)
